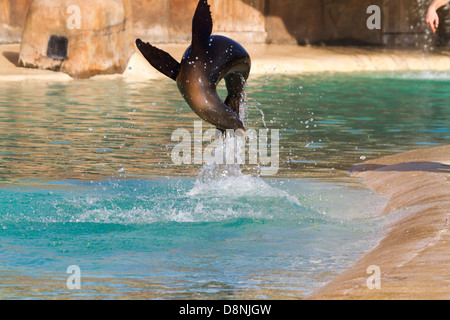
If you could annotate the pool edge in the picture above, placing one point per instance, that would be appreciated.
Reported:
(267, 59)
(413, 258)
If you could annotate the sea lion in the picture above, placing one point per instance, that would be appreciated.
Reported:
(207, 61)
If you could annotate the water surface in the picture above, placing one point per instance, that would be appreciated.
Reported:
(327, 122)
(87, 179)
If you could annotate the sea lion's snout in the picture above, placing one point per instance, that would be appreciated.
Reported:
(234, 122)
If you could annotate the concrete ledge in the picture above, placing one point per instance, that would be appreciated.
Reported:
(266, 59)
(414, 257)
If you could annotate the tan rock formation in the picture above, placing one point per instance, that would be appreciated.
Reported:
(79, 37)
(12, 18)
(271, 21)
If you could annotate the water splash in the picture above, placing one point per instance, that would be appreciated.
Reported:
(222, 175)
(225, 159)
(263, 116)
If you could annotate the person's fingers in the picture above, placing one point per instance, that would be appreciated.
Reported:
(431, 24)
(434, 24)
(430, 20)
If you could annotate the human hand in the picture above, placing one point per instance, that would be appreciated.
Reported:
(432, 19)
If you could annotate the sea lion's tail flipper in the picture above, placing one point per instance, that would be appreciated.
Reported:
(160, 60)
(201, 25)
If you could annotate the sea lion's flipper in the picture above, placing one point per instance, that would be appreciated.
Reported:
(160, 60)
(201, 25)
(235, 84)
(234, 102)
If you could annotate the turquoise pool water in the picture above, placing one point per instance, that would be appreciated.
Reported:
(240, 237)
(87, 179)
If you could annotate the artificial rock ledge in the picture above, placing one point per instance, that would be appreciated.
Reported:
(79, 37)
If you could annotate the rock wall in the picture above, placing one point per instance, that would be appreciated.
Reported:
(171, 20)
(12, 19)
(340, 22)
(273, 21)
(79, 37)
(344, 22)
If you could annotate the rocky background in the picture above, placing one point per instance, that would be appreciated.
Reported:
(272, 21)
(103, 41)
